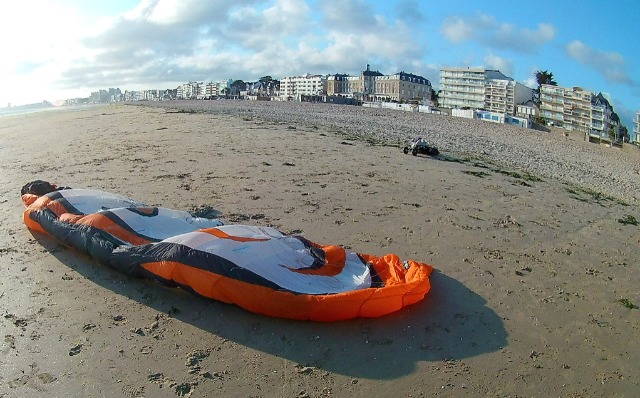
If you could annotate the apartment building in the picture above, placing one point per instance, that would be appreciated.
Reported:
(362, 87)
(337, 84)
(375, 86)
(576, 109)
(294, 86)
(188, 90)
(209, 90)
(480, 88)
(402, 86)
(601, 116)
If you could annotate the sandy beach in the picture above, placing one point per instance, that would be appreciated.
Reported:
(535, 292)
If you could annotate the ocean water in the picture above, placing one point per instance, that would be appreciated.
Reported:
(23, 111)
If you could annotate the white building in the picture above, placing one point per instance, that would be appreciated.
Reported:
(223, 86)
(479, 88)
(577, 109)
(601, 113)
(188, 90)
(294, 86)
(494, 117)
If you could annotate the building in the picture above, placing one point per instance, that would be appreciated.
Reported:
(375, 86)
(402, 86)
(338, 85)
(208, 90)
(601, 113)
(494, 117)
(569, 108)
(577, 109)
(293, 87)
(480, 88)
(189, 90)
(527, 109)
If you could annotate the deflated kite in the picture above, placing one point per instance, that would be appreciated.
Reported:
(257, 268)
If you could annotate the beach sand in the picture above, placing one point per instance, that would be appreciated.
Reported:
(525, 300)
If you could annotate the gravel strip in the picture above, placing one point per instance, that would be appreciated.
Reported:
(610, 171)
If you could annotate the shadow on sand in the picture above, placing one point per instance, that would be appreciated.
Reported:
(451, 323)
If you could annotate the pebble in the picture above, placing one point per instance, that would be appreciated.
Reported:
(548, 155)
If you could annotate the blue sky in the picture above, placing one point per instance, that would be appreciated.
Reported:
(68, 48)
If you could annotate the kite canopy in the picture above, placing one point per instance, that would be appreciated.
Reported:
(257, 268)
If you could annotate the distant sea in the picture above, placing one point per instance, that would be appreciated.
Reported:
(13, 111)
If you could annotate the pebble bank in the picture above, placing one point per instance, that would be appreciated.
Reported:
(610, 170)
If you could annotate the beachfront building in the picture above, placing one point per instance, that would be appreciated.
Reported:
(601, 116)
(527, 109)
(569, 108)
(209, 90)
(361, 87)
(480, 88)
(493, 117)
(372, 85)
(337, 85)
(577, 109)
(402, 86)
(293, 87)
(188, 90)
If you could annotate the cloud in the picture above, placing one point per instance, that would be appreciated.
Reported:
(530, 82)
(355, 16)
(409, 11)
(502, 64)
(494, 34)
(611, 65)
(163, 43)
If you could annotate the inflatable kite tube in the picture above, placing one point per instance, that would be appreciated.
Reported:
(257, 268)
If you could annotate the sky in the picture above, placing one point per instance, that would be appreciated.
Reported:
(68, 48)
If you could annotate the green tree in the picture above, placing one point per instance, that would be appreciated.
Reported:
(435, 96)
(545, 77)
(542, 77)
(612, 134)
(265, 79)
(237, 86)
(267, 84)
(624, 133)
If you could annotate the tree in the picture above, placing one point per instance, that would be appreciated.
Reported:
(237, 86)
(545, 77)
(435, 97)
(624, 133)
(612, 134)
(266, 84)
(542, 77)
(265, 79)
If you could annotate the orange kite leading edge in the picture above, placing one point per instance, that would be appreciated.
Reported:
(257, 268)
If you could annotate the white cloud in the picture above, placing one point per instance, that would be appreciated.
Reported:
(611, 65)
(457, 29)
(530, 82)
(502, 64)
(494, 34)
(354, 16)
(36, 53)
